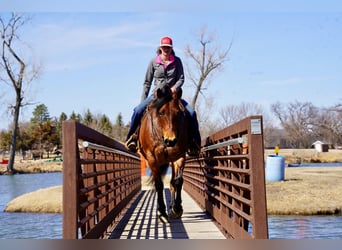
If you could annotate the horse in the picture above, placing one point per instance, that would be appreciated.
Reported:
(163, 140)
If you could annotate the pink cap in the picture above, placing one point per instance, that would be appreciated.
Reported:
(166, 41)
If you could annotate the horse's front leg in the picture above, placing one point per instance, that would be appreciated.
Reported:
(159, 185)
(176, 209)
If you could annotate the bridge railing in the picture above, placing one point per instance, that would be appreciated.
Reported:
(228, 180)
(99, 179)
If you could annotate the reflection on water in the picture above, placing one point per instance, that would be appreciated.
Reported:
(49, 226)
(305, 227)
(28, 225)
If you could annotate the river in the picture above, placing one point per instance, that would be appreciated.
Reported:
(49, 226)
(28, 225)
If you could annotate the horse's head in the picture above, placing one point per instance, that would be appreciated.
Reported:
(168, 115)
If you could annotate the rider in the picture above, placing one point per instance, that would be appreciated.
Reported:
(165, 68)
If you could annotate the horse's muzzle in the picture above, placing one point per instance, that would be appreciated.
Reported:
(170, 142)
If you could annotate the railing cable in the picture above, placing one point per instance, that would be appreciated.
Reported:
(95, 146)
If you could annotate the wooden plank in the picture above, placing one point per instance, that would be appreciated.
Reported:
(140, 221)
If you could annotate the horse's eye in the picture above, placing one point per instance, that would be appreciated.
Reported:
(160, 113)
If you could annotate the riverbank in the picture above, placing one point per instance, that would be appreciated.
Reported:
(307, 155)
(291, 156)
(304, 191)
(33, 167)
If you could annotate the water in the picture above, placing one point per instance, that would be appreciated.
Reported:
(305, 227)
(28, 225)
(331, 164)
(49, 226)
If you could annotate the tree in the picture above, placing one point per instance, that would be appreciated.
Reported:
(15, 72)
(43, 130)
(233, 113)
(88, 118)
(119, 130)
(40, 114)
(330, 126)
(299, 119)
(205, 61)
(105, 125)
(24, 137)
(75, 117)
(5, 140)
(63, 117)
(45, 137)
(208, 125)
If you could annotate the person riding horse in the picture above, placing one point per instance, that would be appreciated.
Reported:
(165, 69)
(163, 143)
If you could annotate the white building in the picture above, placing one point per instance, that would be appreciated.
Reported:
(320, 146)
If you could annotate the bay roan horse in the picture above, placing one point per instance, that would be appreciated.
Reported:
(163, 141)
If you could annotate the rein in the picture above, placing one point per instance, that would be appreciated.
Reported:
(155, 130)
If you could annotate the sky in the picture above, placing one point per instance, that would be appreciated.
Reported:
(95, 57)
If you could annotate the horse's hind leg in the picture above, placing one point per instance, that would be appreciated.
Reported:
(159, 185)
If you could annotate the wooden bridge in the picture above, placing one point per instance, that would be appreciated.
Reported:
(105, 195)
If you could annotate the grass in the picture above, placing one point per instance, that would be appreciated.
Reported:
(46, 200)
(308, 155)
(306, 191)
(31, 166)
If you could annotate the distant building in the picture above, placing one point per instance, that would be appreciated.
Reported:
(320, 146)
(277, 137)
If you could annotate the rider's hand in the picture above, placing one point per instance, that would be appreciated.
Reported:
(173, 90)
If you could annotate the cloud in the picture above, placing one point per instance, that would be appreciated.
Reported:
(75, 45)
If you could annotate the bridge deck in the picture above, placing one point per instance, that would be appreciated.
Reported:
(140, 220)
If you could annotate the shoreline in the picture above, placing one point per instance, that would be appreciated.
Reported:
(304, 191)
(33, 167)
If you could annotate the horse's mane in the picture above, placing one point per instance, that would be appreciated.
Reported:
(164, 95)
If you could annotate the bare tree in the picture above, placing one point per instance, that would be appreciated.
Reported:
(299, 120)
(233, 113)
(204, 61)
(330, 124)
(14, 71)
(208, 124)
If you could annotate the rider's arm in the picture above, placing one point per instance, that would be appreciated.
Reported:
(148, 80)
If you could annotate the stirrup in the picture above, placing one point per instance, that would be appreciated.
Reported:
(131, 144)
(194, 150)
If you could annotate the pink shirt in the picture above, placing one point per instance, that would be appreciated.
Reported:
(160, 61)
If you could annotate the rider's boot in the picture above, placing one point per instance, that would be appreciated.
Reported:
(132, 143)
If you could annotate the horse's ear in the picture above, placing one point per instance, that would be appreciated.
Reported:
(159, 93)
(179, 93)
(163, 92)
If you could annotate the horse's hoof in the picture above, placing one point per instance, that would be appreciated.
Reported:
(163, 217)
(175, 214)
